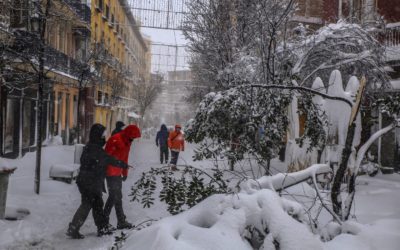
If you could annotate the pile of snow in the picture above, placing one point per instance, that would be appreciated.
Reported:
(256, 217)
(223, 222)
(54, 141)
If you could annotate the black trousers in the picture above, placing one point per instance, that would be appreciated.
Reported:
(174, 157)
(91, 200)
(114, 184)
(164, 152)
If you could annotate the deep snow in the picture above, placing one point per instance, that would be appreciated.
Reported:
(377, 206)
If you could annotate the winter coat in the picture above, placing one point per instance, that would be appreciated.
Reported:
(162, 137)
(118, 127)
(176, 141)
(94, 161)
(119, 146)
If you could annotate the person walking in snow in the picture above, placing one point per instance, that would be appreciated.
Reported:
(119, 146)
(162, 142)
(176, 143)
(118, 127)
(90, 181)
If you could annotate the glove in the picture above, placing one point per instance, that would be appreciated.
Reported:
(124, 178)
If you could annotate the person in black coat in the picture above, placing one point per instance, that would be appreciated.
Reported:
(90, 181)
(162, 141)
(118, 127)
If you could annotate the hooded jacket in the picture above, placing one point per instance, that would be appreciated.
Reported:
(176, 140)
(162, 137)
(94, 161)
(118, 127)
(119, 146)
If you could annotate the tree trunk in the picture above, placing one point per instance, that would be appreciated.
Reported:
(41, 79)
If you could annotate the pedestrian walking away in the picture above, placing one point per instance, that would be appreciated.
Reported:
(162, 142)
(119, 126)
(90, 181)
(119, 146)
(176, 143)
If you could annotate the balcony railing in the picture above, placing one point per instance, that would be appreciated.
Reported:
(27, 44)
(392, 36)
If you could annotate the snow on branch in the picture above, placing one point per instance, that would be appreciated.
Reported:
(284, 180)
(299, 88)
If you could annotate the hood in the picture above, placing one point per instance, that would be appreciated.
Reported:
(131, 132)
(96, 134)
(178, 126)
(119, 125)
(163, 128)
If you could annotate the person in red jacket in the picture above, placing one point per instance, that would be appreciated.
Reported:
(118, 146)
(176, 143)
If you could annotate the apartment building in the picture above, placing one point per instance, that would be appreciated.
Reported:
(65, 46)
(114, 27)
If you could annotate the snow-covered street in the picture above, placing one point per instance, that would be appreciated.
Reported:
(52, 210)
(377, 203)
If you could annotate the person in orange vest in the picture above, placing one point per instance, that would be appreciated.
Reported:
(119, 146)
(176, 143)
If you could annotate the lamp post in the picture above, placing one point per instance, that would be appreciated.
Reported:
(38, 21)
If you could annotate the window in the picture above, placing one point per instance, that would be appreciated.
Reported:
(10, 129)
(27, 121)
(95, 31)
(112, 19)
(100, 4)
(106, 98)
(107, 11)
(75, 111)
(99, 97)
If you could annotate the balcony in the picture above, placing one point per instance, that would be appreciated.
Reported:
(391, 38)
(81, 9)
(56, 61)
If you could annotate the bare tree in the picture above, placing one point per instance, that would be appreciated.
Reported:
(147, 92)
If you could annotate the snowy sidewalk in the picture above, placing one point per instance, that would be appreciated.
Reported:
(52, 210)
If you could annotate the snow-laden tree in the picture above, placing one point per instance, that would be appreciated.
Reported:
(347, 47)
(263, 71)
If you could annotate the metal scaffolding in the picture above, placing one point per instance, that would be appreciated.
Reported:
(159, 14)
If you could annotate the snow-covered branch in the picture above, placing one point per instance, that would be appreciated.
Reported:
(298, 88)
(284, 180)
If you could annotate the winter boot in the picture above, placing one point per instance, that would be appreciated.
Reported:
(111, 227)
(174, 168)
(124, 225)
(73, 233)
(104, 231)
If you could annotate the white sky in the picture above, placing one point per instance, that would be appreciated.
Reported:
(165, 36)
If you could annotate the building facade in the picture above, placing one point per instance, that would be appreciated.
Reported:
(126, 52)
(65, 41)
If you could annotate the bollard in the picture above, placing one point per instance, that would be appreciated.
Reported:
(4, 175)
